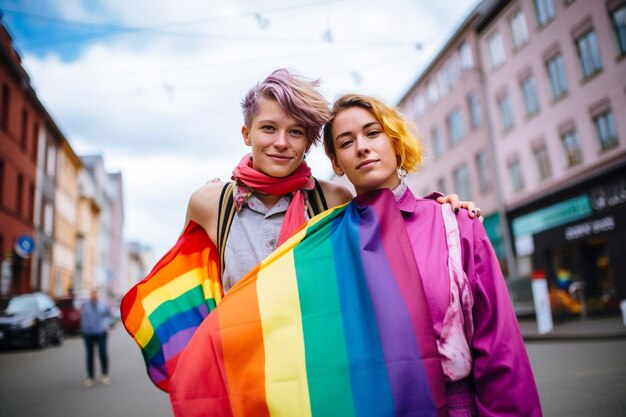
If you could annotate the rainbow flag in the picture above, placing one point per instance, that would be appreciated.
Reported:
(333, 323)
(164, 310)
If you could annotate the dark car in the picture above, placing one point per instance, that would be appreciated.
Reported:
(70, 314)
(30, 320)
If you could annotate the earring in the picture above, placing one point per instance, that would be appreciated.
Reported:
(401, 173)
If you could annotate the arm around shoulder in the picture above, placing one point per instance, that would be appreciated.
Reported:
(335, 194)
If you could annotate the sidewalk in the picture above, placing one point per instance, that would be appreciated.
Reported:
(575, 329)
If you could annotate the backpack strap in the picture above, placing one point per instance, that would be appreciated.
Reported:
(226, 213)
(316, 202)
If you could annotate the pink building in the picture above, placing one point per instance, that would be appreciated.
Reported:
(550, 82)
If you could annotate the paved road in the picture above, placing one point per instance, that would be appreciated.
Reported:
(575, 379)
(580, 378)
(48, 383)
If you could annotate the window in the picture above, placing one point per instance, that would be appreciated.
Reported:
(557, 77)
(418, 105)
(542, 159)
(605, 130)
(1, 182)
(618, 21)
(31, 202)
(19, 194)
(484, 174)
(431, 91)
(441, 186)
(495, 49)
(4, 112)
(505, 110)
(50, 160)
(456, 127)
(462, 183)
(544, 10)
(467, 61)
(474, 106)
(24, 130)
(437, 142)
(35, 146)
(48, 218)
(519, 30)
(588, 54)
(443, 80)
(516, 176)
(529, 91)
(571, 148)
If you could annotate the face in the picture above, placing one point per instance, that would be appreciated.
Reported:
(278, 141)
(364, 152)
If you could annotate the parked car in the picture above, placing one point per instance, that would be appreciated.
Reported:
(30, 320)
(70, 314)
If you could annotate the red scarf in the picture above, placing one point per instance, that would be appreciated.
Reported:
(253, 180)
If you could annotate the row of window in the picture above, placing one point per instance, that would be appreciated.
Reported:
(557, 80)
(606, 134)
(28, 141)
(585, 41)
(447, 77)
(21, 207)
(461, 177)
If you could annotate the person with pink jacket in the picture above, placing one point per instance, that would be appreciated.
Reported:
(484, 361)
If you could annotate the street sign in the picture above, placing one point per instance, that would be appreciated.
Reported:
(25, 246)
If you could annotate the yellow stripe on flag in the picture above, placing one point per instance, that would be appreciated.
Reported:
(286, 386)
(173, 289)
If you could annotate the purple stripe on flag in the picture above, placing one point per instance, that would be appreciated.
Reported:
(157, 373)
(407, 377)
(399, 252)
(178, 342)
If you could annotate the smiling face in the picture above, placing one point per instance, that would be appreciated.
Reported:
(363, 151)
(278, 141)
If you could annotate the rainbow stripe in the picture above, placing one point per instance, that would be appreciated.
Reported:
(333, 323)
(164, 310)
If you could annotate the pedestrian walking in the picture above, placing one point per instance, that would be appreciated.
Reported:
(95, 322)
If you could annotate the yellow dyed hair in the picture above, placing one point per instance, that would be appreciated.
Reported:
(406, 144)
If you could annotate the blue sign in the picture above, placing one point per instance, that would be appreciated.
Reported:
(25, 245)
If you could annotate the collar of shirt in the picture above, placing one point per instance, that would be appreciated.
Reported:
(255, 204)
(407, 201)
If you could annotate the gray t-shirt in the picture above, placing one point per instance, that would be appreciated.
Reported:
(253, 236)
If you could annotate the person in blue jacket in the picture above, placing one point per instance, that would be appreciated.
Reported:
(95, 322)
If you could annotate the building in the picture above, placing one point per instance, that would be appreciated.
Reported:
(447, 103)
(551, 86)
(63, 273)
(28, 142)
(118, 246)
(556, 87)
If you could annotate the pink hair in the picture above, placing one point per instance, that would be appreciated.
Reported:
(297, 97)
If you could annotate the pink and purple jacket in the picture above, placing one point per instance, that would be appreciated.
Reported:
(502, 377)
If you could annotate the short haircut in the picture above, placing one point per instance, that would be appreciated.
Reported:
(407, 145)
(296, 95)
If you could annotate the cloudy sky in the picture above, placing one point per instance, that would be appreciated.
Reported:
(155, 86)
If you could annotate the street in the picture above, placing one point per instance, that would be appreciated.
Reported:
(575, 379)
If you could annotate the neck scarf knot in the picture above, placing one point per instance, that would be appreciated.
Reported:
(248, 180)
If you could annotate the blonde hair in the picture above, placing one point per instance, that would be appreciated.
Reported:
(407, 146)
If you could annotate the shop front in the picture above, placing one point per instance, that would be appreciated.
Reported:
(576, 238)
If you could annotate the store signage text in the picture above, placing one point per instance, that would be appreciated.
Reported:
(603, 196)
(589, 228)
